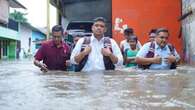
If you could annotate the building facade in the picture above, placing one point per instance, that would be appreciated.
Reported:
(37, 38)
(30, 40)
(17, 40)
(9, 30)
(9, 37)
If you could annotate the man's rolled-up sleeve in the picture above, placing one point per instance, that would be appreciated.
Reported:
(40, 53)
(117, 52)
(76, 50)
(143, 51)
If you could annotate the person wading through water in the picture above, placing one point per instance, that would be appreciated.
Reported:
(96, 52)
(158, 54)
(54, 53)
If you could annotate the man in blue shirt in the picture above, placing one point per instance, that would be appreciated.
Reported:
(158, 54)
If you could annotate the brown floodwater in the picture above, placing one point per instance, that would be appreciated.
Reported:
(24, 87)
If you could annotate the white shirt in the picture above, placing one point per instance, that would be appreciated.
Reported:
(126, 45)
(95, 59)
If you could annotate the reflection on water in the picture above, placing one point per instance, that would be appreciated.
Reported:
(24, 87)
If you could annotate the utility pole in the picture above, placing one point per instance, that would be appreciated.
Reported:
(48, 19)
(57, 13)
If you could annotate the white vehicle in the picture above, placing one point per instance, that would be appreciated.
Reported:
(78, 28)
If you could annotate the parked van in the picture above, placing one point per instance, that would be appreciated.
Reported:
(78, 28)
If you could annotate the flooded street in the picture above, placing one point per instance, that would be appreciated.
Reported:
(24, 87)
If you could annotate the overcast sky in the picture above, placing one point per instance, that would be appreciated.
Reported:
(37, 12)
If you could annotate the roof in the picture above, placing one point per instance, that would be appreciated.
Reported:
(33, 28)
(16, 4)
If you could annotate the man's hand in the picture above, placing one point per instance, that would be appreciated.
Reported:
(43, 67)
(78, 58)
(157, 60)
(106, 52)
(87, 50)
(67, 63)
(170, 59)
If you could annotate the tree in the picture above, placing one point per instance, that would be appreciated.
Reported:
(18, 16)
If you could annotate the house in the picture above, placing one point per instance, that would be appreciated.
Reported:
(30, 39)
(9, 30)
(17, 40)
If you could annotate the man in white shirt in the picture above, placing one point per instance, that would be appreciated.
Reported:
(96, 52)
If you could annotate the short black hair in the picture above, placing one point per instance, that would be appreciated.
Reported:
(161, 30)
(99, 19)
(152, 31)
(128, 31)
(57, 28)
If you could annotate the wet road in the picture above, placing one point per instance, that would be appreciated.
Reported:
(24, 87)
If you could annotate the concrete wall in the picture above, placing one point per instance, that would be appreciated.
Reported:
(188, 26)
(25, 34)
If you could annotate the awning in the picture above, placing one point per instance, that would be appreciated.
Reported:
(39, 41)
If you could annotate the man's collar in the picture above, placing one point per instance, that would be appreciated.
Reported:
(94, 38)
(158, 47)
(52, 43)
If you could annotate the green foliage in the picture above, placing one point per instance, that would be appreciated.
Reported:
(18, 16)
